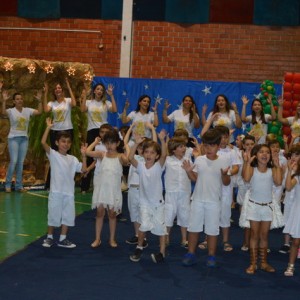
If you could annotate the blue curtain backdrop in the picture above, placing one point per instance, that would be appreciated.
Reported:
(203, 92)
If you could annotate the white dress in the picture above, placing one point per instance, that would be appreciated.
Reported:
(107, 191)
(292, 226)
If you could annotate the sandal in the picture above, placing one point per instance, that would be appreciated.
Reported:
(96, 244)
(113, 244)
(203, 245)
(244, 248)
(227, 247)
(289, 270)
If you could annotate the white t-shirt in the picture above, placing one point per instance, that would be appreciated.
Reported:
(181, 121)
(150, 185)
(208, 186)
(133, 176)
(140, 119)
(97, 113)
(19, 121)
(176, 179)
(261, 129)
(63, 169)
(61, 114)
(225, 119)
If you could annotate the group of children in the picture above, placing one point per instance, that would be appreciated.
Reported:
(259, 171)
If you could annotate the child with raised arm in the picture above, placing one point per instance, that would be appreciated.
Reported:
(133, 195)
(210, 173)
(152, 215)
(61, 206)
(260, 208)
(292, 225)
(107, 192)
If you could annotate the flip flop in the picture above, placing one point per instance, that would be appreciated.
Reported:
(227, 247)
(96, 244)
(203, 245)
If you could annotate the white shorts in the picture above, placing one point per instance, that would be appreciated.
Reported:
(61, 210)
(256, 212)
(153, 220)
(134, 204)
(225, 210)
(177, 204)
(207, 215)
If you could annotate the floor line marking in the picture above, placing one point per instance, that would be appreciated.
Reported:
(43, 196)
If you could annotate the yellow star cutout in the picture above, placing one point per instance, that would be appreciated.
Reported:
(49, 69)
(71, 71)
(88, 76)
(31, 68)
(8, 66)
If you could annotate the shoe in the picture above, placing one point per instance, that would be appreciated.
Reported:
(298, 255)
(185, 245)
(136, 256)
(189, 259)
(95, 244)
(66, 244)
(7, 190)
(244, 248)
(203, 245)
(157, 258)
(285, 249)
(22, 190)
(47, 243)
(113, 244)
(227, 247)
(132, 241)
(211, 261)
(145, 243)
(289, 270)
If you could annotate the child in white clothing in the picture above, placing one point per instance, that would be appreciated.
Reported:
(178, 188)
(210, 174)
(152, 216)
(107, 192)
(61, 207)
(261, 171)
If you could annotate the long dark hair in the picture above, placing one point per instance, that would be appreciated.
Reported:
(191, 111)
(255, 150)
(253, 115)
(216, 108)
(138, 107)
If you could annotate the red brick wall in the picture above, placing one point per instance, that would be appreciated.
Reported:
(162, 50)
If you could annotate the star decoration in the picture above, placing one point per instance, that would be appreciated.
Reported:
(8, 66)
(146, 86)
(206, 90)
(119, 116)
(71, 71)
(158, 99)
(31, 69)
(88, 76)
(49, 69)
(124, 93)
(179, 106)
(256, 96)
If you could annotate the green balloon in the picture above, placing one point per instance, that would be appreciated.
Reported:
(267, 109)
(274, 130)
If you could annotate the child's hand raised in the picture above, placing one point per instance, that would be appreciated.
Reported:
(162, 135)
(187, 166)
(49, 122)
(83, 149)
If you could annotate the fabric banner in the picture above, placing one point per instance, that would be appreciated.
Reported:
(276, 12)
(160, 90)
(231, 11)
(8, 8)
(39, 9)
(187, 11)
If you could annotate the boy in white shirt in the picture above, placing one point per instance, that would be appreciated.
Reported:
(61, 206)
(210, 173)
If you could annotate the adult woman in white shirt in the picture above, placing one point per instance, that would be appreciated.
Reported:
(19, 117)
(184, 118)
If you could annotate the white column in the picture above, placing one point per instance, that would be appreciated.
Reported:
(126, 39)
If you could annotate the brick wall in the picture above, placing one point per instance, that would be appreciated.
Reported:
(162, 50)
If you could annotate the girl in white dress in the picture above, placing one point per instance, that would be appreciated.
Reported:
(292, 225)
(107, 192)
